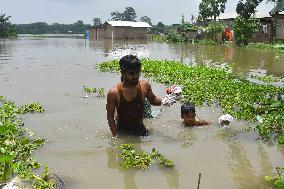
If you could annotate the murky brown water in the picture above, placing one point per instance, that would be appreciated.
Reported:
(80, 148)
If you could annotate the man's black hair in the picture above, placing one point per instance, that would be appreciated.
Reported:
(188, 107)
(129, 63)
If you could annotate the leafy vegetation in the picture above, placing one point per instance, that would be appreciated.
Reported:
(244, 29)
(31, 107)
(100, 91)
(209, 85)
(6, 28)
(214, 31)
(16, 147)
(132, 158)
(43, 28)
(146, 19)
(128, 15)
(277, 181)
(211, 9)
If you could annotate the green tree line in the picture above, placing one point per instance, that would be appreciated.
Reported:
(55, 28)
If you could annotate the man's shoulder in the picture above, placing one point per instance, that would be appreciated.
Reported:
(113, 91)
(145, 83)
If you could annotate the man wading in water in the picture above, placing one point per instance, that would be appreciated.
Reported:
(127, 98)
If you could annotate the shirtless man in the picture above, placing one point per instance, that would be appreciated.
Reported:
(127, 99)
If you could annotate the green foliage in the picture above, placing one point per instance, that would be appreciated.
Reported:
(132, 158)
(55, 28)
(96, 21)
(235, 95)
(247, 8)
(244, 30)
(146, 19)
(100, 91)
(277, 181)
(128, 15)
(16, 146)
(206, 42)
(215, 29)
(211, 8)
(31, 107)
(176, 37)
(6, 28)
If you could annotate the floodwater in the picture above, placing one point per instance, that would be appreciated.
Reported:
(80, 149)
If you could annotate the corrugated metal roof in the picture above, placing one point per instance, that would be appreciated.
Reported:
(129, 24)
(226, 16)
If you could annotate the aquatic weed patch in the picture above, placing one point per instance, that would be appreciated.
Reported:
(234, 94)
(132, 158)
(99, 91)
(16, 146)
(277, 181)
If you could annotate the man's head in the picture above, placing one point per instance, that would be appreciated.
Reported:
(130, 67)
(188, 111)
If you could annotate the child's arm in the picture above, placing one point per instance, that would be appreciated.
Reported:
(202, 122)
(193, 122)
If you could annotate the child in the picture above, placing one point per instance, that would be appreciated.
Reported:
(188, 116)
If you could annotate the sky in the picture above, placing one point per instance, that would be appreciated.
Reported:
(69, 11)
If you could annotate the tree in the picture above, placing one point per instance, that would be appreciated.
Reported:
(97, 21)
(247, 8)
(116, 16)
(146, 19)
(128, 15)
(211, 8)
(4, 25)
(244, 29)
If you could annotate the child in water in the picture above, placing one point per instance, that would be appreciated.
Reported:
(188, 115)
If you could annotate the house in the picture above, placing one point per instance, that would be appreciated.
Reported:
(278, 16)
(119, 30)
(264, 33)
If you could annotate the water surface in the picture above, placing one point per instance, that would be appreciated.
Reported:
(52, 71)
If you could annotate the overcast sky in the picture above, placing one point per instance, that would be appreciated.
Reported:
(69, 11)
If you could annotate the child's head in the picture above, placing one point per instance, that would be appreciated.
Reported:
(188, 111)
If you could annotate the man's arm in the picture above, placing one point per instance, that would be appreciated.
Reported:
(110, 107)
(155, 101)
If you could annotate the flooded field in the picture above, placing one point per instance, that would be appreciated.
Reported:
(80, 149)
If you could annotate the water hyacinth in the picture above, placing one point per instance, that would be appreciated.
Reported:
(16, 146)
(134, 159)
(236, 95)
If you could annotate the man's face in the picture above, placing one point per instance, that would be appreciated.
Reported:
(132, 77)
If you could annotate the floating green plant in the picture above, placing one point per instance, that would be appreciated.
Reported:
(277, 181)
(235, 94)
(31, 107)
(100, 91)
(17, 145)
(89, 90)
(132, 158)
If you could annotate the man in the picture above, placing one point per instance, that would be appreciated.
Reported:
(127, 99)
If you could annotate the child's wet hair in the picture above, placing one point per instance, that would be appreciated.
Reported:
(186, 108)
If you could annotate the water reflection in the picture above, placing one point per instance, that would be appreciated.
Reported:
(242, 60)
(241, 166)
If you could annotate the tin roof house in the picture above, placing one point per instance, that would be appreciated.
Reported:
(119, 30)
(263, 34)
(278, 15)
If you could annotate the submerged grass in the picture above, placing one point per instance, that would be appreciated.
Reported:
(234, 94)
(17, 144)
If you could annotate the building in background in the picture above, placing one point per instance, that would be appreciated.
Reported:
(119, 30)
